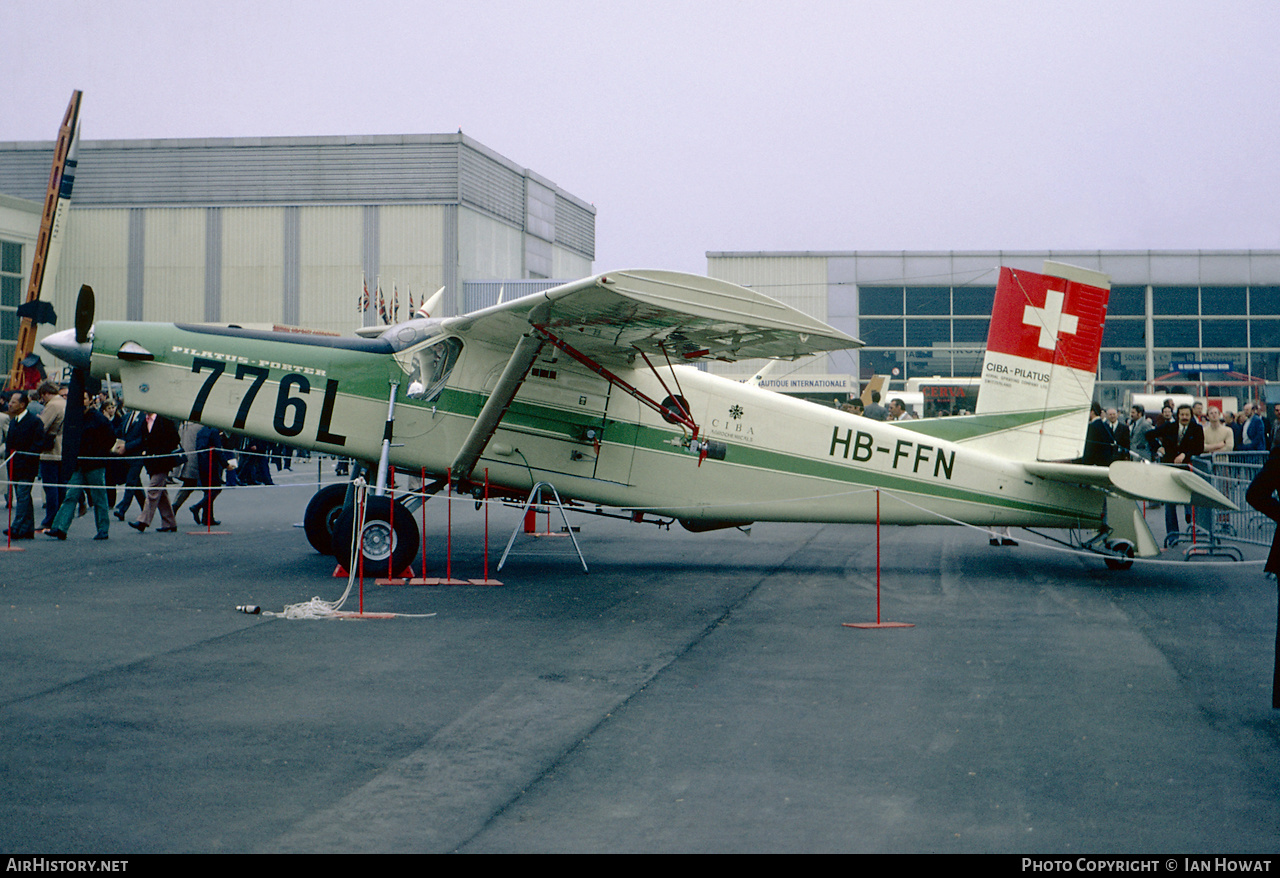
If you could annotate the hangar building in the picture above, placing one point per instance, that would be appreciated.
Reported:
(285, 230)
(1203, 321)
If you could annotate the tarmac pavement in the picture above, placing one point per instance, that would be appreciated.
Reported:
(692, 693)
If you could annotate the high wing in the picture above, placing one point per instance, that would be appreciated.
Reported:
(605, 320)
(611, 316)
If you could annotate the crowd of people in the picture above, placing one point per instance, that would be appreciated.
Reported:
(897, 410)
(1178, 433)
(130, 455)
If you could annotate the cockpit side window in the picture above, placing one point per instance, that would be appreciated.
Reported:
(430, 369)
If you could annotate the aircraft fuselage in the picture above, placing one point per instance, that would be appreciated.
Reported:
(784, 459)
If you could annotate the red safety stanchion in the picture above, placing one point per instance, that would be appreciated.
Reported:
(208, 504)
(448, 531)
(486, 580)
(391, 522)
(877, 623)
(423, 479)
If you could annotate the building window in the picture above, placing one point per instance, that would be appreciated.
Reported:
(971, 331)
(880, 300)
(1264, 300)
(10, 298)
(1127, 301)
(928, 333)
(1224, 300)
(1264, 333)
(1121, 333)
(1176, 333)
(880, 333)
(928, 300)
(1173, 301)
(1224, 334)
(973, 300)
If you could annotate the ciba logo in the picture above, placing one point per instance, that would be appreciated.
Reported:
(143, 388)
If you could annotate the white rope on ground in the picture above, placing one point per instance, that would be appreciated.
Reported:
(318, 608)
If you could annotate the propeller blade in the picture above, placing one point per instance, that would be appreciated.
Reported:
(84, 313)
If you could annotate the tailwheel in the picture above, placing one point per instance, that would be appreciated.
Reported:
(1120, 554)
(389, 538)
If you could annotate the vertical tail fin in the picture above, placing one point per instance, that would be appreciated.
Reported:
(1042, 359)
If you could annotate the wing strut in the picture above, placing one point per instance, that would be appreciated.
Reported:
(522, 359)
(674, 413)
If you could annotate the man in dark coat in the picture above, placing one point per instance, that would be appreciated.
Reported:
(211, 461)
(1120, 430)
(1099, 441)
(160, 454)
(1262, 497)
(133, 430)
(25, 440)
(1176, 442)
(97, 437)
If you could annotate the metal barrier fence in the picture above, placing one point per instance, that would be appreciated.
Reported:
(1231, 474)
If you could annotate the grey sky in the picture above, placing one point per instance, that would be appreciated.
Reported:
(730, 125)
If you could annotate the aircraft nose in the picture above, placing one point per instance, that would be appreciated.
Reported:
(64, 346)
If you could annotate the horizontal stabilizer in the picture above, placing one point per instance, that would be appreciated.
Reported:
(1139, 481)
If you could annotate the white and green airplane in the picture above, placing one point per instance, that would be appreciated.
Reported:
(589, 387)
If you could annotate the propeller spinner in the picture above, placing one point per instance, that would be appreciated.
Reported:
(72, 345)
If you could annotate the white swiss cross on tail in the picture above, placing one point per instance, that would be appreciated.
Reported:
(1050, 316)
(1042, 356)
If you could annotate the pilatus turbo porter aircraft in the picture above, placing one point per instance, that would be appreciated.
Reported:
(588, 387)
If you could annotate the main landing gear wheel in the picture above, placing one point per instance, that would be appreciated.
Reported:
(1122, 559)
(386, 536)
(322, 515)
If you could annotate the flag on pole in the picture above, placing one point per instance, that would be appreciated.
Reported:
(382, 304)
(395, 303)
(362, 302)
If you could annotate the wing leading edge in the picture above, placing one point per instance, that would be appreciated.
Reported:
(611, 316)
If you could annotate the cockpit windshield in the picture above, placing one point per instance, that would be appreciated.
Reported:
(430, 367)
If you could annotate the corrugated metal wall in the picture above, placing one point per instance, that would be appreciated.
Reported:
(411, 254)
(430, 168)
(479, 294)
(173, 274)
(331, 267)
(487, 248)
(569, 263)
(575, 227)
(252, 264)
(96, 253)
(264, 230)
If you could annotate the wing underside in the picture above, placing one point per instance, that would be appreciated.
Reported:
(610, 317)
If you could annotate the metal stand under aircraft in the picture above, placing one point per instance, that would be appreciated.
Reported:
(535, 498)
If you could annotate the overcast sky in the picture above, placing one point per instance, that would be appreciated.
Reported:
(696, 126)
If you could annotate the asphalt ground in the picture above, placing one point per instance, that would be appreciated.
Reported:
(692, 693)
